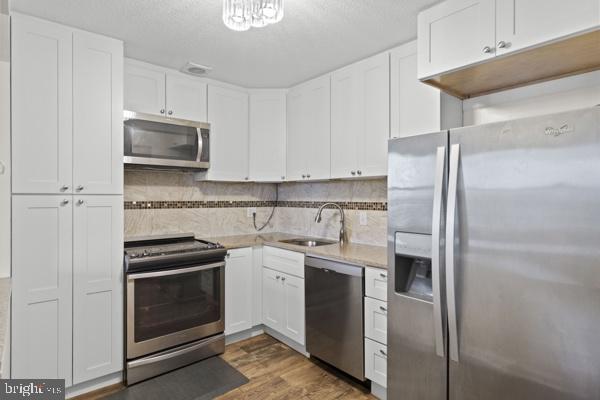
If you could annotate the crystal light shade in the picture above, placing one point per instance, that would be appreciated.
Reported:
(239, 15)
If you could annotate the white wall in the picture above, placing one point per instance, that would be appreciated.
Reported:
(4, 145)
(575, 92)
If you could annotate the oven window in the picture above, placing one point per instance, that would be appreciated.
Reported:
(160, 140)
(169, 304)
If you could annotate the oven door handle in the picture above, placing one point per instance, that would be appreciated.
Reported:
(155, 274)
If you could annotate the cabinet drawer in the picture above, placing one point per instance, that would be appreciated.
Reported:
(376, 320)
(376, 283)
(376, 362)
(290, 262)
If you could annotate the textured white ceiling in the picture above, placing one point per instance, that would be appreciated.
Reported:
(315, 36)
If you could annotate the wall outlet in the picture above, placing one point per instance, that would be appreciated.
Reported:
(362, 218)
(250, 211)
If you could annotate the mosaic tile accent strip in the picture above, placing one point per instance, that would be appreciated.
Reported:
(156, 205)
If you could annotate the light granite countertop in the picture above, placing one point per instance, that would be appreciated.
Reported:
(5, 290)
(361, 254)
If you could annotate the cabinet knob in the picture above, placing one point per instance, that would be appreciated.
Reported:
(170, 112)
(384, 276)
(308, 175)
(80, 202)
(277, 277)
(502, 44)
(487, 49)
(246, 178)
(79, 188)
(64, 202)
(228, 255)
(162, 110)
(383, 353)
(303, 176)
(382, 308)
(359, 172)
(64, 188)
(283, 178)
(283, 278)
(353, 172)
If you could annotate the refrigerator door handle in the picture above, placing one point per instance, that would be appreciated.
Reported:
(450, 243)
(438, 193)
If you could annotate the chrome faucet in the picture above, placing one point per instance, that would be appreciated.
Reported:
(342, 219)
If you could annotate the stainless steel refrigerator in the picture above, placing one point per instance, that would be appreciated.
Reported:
(494, 261)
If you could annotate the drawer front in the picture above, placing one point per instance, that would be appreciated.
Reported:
(289, 262)
(376, 283)
(376, 320)
(376, 362)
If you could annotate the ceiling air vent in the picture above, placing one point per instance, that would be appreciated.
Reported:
(195, 69)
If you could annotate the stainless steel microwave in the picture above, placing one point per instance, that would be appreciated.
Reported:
(154, 141)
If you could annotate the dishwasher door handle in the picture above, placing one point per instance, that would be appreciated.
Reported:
(328, 266)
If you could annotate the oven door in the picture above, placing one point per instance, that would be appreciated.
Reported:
(165, 142)
(170, 307)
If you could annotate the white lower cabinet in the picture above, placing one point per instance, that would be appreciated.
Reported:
(283, 304)
(376, 320)
(67, 294)
(97, 286)
(238, 290)
(376, 362)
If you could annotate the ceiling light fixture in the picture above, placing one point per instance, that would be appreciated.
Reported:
(240, 15)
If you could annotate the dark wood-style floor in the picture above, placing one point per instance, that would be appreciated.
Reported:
(276, 371)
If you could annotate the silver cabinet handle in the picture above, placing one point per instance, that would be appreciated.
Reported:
(283, 278)
(2, 168)
(383, 353)
(487, 49)
(64, 188)
(308, 175)
(502, 44)
(170, 112)
(277, 277)
(359, 172)
(382, 308)
(162, 110)
(438, 193)
(384, 276)
(80, 202)
(283, 178)
(303, 176)
(64, 202)
(353, 172)
(79, 188)
(450, 243)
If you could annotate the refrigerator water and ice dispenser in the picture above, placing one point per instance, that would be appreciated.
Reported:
(412, 264)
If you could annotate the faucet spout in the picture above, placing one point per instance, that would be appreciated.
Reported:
(342, 237)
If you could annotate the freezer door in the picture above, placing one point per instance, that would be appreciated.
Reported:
(524, 280)
(416, 323)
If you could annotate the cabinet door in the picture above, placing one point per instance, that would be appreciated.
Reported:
(42, 287)
(376, 320)
(41, 106)
(297, 143)
(376, 362)
(272, 303)
(97, 286)
(97, 114)
(228, 118)
(293, 313)
(317, 132)
(454, 34)
(374, 97)
(267, 136)
(144, 88)
(186, 97)
(523, 23)
(414, 106)
(346, 122)
(238, 290)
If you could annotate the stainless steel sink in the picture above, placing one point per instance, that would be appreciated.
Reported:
(309, 242)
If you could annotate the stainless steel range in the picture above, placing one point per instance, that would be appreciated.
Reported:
(175, 307)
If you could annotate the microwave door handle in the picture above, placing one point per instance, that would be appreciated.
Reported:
(436, 267)
(450, 243)
(200, 144)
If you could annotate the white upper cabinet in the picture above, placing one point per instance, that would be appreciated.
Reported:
(42, 287)
(42, 106)
(455, 33)
(308, 133)
(415, 107)
(97, 114)
(360, 118)
(523, 23)
(97, 286)
(144, 88)
(238, 290)
(228, 118)
(154, 90)
(186, 97)
(267, 135)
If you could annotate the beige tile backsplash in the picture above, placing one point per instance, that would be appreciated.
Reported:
(144, 185)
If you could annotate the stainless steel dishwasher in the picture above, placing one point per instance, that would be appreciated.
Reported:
(334, 314)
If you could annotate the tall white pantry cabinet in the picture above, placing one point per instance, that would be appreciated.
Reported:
(67, 208)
